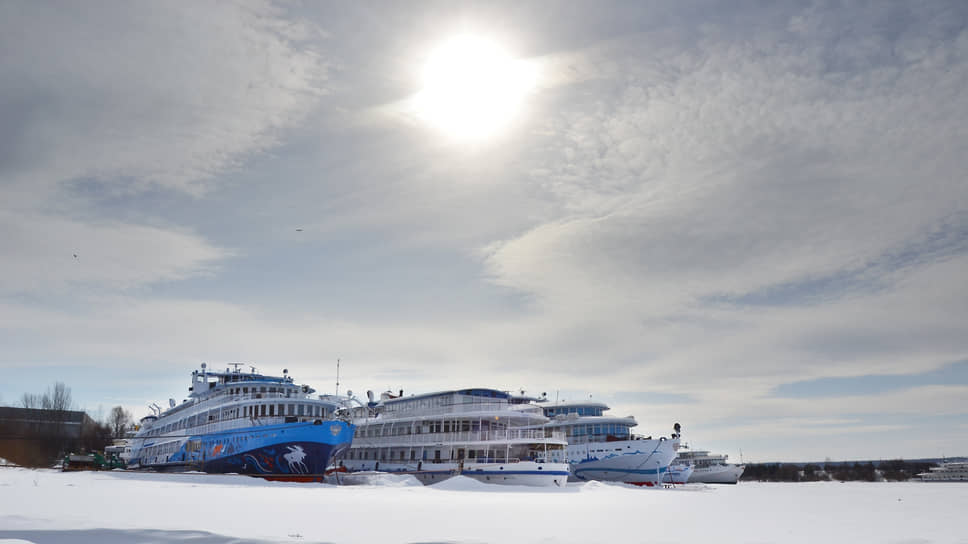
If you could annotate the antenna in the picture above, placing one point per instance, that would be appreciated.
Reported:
(337, 377)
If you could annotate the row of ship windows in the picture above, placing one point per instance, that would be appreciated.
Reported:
(161, 449)
(428, 427)
(580, 410)
(250, 411)
(400, 455)
(443, 400)
(620, 431)
(289, 391)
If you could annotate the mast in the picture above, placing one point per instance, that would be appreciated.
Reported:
(337, 377)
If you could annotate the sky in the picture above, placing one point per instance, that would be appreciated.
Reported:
(749, 219)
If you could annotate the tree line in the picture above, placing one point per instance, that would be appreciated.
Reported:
(894, 470)
(51, 428)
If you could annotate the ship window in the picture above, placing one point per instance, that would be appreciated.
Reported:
(301, 410)
(245, 390)
(262, 410)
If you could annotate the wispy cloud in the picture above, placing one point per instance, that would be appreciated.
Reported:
(171, 95)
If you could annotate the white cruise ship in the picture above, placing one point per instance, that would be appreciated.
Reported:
(246, 423)
(602, 447)
(474, 432)
(947, 472)
(709, 468)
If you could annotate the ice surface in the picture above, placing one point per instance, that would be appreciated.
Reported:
(42, 506)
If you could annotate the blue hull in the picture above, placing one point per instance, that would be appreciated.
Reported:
(291, 451)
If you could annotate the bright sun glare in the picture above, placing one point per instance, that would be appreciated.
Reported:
(472, 87)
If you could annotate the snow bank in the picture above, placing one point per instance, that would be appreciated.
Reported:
(39, 506)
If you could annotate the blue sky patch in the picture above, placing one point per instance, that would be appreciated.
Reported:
(873, 384)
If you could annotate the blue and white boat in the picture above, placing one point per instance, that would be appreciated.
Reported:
(245, 423)
(602, 447)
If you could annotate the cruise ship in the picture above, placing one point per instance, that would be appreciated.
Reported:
(602, 447)
(478, 433)
(947, 472)
(709, 468)
(246, 423)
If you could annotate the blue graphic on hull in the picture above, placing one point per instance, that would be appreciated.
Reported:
(290, 449)
(296, 458)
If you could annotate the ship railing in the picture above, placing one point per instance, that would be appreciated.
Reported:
(455, 408)
(537, 435)
(276, 396)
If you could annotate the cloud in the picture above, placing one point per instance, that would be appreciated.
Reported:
(105, 101)
(778, 166)
(52, 255)
(167, 95)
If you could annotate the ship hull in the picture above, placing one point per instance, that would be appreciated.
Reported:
(527, 473)
(717, 474)
(638, 462)
(290, 452)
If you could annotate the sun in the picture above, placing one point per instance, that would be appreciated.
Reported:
(472, 87)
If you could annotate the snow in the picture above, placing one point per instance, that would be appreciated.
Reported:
(42, 506)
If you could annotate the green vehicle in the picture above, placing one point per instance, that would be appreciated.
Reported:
(92, 461)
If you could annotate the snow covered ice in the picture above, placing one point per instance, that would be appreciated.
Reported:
(45, 506)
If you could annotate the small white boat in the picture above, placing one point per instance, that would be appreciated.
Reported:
(710, 468)
(678, 473)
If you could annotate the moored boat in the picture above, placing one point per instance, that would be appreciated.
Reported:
(246, 423)
(946, 472)
(710, 468)
(678, 473)
(602, 447)
(478, 433)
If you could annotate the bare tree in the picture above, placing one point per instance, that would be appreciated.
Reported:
(118, 421)
(29, 400)
(57, 398)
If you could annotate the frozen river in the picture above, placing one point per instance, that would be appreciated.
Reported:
(107, 507)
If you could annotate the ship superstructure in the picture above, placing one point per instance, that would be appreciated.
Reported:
(475, 432)
(947, 472)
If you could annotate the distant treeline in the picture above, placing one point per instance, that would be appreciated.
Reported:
(869, 471)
